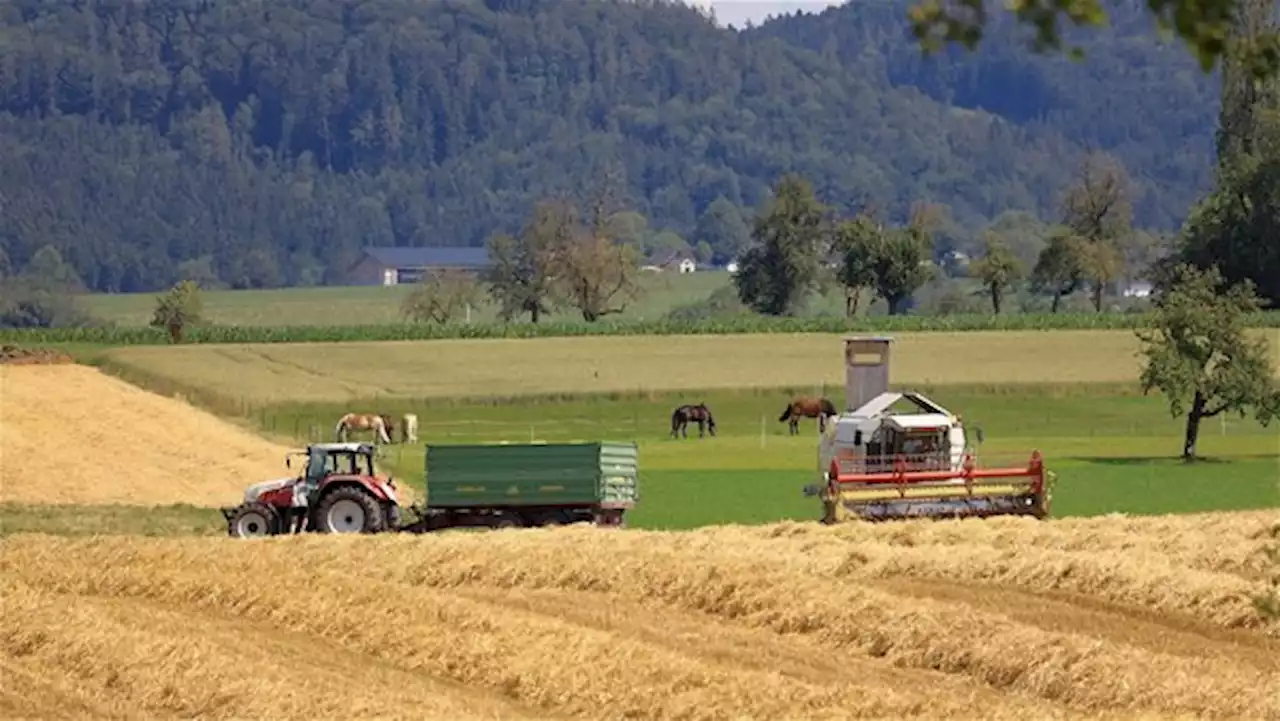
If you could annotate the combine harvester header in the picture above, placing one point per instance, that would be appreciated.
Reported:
(876, 464)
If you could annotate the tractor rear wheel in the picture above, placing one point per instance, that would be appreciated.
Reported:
(253, 519)
(349, 510)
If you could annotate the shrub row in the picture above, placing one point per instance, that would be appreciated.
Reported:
(755, 324)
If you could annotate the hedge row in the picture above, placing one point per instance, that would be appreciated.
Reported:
(758, 324)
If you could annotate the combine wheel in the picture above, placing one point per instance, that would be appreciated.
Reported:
(253, 519)
(349, 510)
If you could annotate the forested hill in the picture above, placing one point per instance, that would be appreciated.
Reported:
(264, 143)
(1143, 100)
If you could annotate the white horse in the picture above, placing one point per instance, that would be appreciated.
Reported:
(363, 422)
(409, 428)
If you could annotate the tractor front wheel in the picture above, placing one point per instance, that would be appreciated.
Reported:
(349, 510)
(253, 519)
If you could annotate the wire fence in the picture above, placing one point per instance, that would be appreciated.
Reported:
(627, 423)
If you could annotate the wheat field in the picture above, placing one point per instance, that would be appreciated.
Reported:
(72, 434)
(1004, 618)
(1110, 617)
(334, 372)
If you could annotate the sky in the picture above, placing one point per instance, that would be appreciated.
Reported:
(737, 12)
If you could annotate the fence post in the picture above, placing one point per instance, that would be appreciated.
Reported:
(762, 436)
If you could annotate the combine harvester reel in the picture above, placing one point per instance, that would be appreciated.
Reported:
(877, 464)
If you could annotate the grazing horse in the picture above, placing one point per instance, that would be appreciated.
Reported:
(409, 431)
(381, 425)
(699, 414)
(808, 407)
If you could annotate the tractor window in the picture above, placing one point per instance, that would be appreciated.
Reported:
(316, 463)
(342, 463)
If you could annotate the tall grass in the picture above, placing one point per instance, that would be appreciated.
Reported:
(750, 324)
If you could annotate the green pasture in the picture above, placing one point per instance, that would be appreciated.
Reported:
(1112, 449)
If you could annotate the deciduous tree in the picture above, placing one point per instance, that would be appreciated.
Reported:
(178, 310)
(781, 267)
(1237, 225)
(721, 226)
(43, 295)
(998, 268)
(1204, 27)
(442, 295)
(1059, 270)
(1098, 210)
(858, 243)
(1198, 355)
(522, 273)
(902, 265)
(595, 273)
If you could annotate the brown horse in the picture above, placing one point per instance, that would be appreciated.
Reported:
(381, 425)
(808, 407)
(699, 414)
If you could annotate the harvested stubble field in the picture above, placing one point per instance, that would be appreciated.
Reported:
(1006, 618)
(318, 372)
(72, 434)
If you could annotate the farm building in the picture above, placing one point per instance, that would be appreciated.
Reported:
(393, 266)
(681, 262)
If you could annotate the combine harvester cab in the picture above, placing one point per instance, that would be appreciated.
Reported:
(879, 464)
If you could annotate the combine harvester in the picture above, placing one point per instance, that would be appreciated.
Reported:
(876, 464)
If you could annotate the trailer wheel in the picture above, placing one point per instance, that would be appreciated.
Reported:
(251, 520)
(552, 518)
(507, 520)
(349, 510)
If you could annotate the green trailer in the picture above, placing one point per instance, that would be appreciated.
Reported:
(499, 485)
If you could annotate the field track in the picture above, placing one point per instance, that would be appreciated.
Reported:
(1007, 618)
(101, 440)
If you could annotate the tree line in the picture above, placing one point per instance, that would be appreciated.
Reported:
(255, 146)
(800, 240)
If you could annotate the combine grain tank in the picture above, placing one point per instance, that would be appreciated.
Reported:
(876, 463)
(533, 484)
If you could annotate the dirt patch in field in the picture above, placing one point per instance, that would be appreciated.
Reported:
(72, 434)
(13, 355)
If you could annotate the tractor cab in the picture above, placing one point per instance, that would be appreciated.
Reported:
(336, 459)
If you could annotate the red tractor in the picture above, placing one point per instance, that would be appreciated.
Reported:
(337, 492)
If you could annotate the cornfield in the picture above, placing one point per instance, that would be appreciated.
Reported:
(748, 324)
